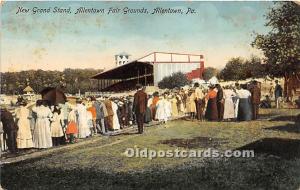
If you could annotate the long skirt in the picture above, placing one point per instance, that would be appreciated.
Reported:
(211, 113)
(71, 128)
(153, 111)
(42, 134)
(229, 109)
(148, 115)
(116, 124)
(56, 129)
(199, 108)
(244, 110)
(83, 128)
(24, 137)
(109, 122)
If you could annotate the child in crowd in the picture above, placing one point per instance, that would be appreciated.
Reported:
(72, 130)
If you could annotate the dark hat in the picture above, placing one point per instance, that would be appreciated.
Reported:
(23, 103)
(39, 102)
(211, 86)
(78, 100)
(139, 86)
(156, 93)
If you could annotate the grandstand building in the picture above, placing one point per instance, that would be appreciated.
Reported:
(149, 70)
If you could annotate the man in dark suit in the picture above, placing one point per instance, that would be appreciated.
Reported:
(10, 129)
(139, 107)
(255, 99)
(220, 102)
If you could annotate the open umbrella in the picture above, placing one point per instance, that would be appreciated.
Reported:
(54, 95)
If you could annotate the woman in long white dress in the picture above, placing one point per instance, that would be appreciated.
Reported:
(56, 127)
(24, 136)
(161, 110)
(116, 123)
(168, 107)
(180, 106)
(174, 107)
(191, 104)
(229, 111)
(42, 132)
(83, 128)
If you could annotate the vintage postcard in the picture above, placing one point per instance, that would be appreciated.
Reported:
(150, 95)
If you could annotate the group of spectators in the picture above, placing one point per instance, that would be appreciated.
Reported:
(44, 125)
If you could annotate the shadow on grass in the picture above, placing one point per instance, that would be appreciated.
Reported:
(196, 142)
(126, 133)
(233, 173)
(284, 148)
(265, 116)
(292, 128)
(285, 118)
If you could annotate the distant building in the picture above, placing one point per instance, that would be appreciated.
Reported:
(122, 58)
(28, 90)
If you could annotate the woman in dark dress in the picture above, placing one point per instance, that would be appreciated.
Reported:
(211, 113)
(244, 109)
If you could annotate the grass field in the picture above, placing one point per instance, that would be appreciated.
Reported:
(101, 164)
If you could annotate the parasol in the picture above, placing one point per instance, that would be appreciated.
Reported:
(55, 96)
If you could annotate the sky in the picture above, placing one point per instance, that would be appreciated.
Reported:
(218, 30)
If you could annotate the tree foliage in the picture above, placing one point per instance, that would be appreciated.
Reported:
(178, 80)
(254, 68)
(210, 72)
(281, 46)
(240, 69)
(73, 80)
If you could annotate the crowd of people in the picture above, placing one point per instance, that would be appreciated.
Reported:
(44, 125)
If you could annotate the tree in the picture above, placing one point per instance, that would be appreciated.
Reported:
(14, 83)
(255, 68)
(175, 80)
(281, 46)
(234, 70)
(210, 72)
